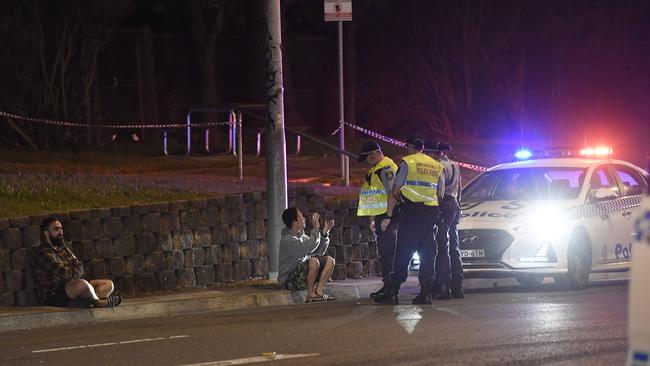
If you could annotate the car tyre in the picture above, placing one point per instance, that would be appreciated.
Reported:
(527, 279)
(578, 264)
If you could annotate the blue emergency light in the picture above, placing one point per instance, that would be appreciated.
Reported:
(523, 154)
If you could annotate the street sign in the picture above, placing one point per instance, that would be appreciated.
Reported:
(338, 10)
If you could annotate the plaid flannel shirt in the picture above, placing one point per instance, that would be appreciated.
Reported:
(53, 266)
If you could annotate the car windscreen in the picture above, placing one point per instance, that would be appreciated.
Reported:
(529, 184)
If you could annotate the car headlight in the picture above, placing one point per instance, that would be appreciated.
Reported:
(546, 224)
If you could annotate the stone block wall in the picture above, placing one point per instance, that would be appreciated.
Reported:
(164, 246)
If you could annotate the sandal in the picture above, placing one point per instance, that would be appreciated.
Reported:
(114, 301)
(315, 298)
(326, 297)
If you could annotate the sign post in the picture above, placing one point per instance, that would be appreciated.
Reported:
(340, 11)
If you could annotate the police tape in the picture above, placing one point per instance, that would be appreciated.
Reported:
(399, 143)
(120, 125)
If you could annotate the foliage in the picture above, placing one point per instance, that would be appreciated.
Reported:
(57, 48)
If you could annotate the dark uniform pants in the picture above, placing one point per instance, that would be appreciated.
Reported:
(416, 232)
(386, 245)
(449, 265)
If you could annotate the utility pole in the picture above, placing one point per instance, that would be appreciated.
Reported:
(276, 149)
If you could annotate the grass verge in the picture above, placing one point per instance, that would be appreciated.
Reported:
(37, 193)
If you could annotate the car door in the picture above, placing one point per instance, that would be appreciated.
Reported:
(604, 233)
(632, 186)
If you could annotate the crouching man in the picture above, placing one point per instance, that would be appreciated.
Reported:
(58, 274)
(303, 263)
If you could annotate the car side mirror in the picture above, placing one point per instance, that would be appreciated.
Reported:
(603, 194)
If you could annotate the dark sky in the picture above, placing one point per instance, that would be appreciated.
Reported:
(564, 70)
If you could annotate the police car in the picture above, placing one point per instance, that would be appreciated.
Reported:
(639, 301)
(562, 217)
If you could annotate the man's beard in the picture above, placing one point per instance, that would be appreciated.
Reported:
(58, 241)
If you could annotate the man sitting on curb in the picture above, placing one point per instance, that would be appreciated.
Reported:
(58, 273)
(303, 263)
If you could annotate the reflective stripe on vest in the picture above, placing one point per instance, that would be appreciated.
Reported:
(373, 198)
(421, 185)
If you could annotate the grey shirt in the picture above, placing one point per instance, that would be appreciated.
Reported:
(387, 177)
(452, 178)
(402, 173)
(295, 249)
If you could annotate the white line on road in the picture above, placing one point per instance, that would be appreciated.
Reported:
(450, 311)
(243, 361)
(142, 340)
(108, 344)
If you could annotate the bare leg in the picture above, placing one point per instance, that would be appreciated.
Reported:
(325, 274)
(80, 289)
(103, 288)
(314, 264)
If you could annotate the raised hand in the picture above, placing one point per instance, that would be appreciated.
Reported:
(329, 224)
(315, 224)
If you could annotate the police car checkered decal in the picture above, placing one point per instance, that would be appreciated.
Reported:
(604, 208)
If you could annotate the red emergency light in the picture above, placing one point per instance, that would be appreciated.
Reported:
(600, 151)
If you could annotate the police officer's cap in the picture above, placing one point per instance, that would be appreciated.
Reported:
(444, 147)
(368, 147)
(415, 143)
(431, 145)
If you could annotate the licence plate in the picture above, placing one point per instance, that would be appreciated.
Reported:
(472, 253)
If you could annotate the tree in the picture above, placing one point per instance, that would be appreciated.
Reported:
(207, 22)
(63, 38)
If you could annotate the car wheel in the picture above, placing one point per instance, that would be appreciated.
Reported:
(578, 264)
(529, 279)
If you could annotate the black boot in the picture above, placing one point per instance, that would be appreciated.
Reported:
(424, 297)
(389, 296)
(379, 292)
(443, 293)
(457, 290)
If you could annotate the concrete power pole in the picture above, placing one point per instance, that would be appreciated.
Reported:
(276, 151)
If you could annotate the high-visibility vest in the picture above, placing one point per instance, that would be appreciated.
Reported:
(373, 198)
(421, 184)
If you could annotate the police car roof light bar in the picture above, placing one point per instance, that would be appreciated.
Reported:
(597, 151)
(523, 154)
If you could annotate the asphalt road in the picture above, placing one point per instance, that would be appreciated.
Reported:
(500, 326)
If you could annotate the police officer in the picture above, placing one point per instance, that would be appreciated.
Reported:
(419, 185)
(449, 265)
(373, 202)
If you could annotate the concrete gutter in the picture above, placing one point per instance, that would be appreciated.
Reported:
(209, 300)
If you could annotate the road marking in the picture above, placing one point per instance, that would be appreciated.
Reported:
(257, 359)
(142, 340)
(108, 344)
(408, 316)
(450, 311)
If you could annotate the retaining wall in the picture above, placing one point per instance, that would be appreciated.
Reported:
(180, 244)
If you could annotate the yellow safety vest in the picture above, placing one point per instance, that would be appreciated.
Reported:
(422, 179)
(373, 198)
